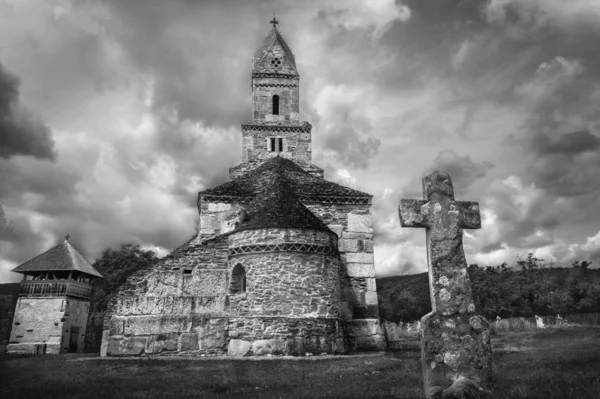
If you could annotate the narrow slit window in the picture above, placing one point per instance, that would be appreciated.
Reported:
(275, 104)
(238, 280)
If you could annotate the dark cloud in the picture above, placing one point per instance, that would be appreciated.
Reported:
(561, 97)
(463, 170)
(569, 144)
(20, 132)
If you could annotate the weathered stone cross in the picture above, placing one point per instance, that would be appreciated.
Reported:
(274, 21)
(455, 343)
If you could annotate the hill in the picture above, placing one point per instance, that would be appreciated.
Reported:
(500, 291)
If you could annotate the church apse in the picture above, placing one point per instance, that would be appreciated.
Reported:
(282, 262)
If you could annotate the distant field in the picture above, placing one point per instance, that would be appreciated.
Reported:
(547, 364)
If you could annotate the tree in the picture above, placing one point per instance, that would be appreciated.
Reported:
(7, 228)
(115, 266)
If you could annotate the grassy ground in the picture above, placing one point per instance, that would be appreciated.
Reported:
(556, 363)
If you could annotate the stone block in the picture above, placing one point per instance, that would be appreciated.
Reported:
(359, 258)
(360, 223)
(371, 284)
(317, 344)
(211, 332)
(295, 347)
(363, 327)
(336, 228)
(188, 342)
(208, 224)
(238, 348)
(104, 344)
(118, 346)
(116, 326)
(263, 347)
(149, 325)
(351, 245)
(371, 298)
(162, 343)
(368, 246)
(218, 207)
(360, 270)
(352, 235)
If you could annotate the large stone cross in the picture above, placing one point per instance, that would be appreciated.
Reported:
(455, 342)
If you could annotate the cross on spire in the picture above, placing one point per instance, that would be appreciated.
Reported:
(67, 237)
(274, 21)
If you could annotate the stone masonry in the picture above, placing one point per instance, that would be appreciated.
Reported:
(455, 341)
(282, 262)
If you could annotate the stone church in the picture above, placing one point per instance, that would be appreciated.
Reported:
(282, 262)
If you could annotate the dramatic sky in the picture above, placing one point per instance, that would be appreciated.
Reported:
(114, 114)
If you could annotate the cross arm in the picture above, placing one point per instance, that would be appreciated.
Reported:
(412, 213)
(470, 216)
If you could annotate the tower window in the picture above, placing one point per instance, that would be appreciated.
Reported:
(276, 144)
(275, 104)
(238, 280)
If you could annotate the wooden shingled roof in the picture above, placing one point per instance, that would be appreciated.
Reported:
(63, 257)
(276, 206)
(300, 182)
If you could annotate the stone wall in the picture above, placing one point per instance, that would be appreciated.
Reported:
(177, 306)
(296, 143)
(285, 336)
(218, 218)
(263, 90)
(282, 283)
(38, 321)
(9, 293)
(353, 225)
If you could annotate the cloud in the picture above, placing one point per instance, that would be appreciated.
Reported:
(20, 132)
(561, 133)
(375, 16)
(542, 13)
(463, 170)
(346, 132)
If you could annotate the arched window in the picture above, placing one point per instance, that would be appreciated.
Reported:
(275, 104)
(238, 280)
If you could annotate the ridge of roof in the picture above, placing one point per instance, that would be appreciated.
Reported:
(276, 206)
(62, 257)
(302, 182)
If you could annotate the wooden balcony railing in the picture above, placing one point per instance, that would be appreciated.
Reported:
(55, 288)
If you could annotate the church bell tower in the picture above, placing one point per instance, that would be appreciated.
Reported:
(275, 129)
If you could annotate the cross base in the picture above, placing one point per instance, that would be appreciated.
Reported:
(452, 348)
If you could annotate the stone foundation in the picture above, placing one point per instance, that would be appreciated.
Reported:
(198, 335)
(365, 335)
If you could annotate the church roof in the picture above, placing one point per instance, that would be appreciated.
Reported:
(300, 182)
(260, 59)
(276, 206)
(63, 257)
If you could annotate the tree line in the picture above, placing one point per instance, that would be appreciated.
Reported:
(529, 288)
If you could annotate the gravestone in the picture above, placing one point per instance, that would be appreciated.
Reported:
(455, 341)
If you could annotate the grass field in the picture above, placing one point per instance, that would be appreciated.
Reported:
(548, 364)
